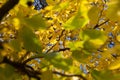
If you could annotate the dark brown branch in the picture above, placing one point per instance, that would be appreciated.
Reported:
(7, 7)
(98, 25)
(23, 57)
(32, 59)
(32, 73)
(69, 75)
(26, 69)
(64, 49)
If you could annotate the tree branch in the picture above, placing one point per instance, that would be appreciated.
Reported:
(69, 75)
(26, 69)
(7, 7)
(98, 25)
(34, 57)
(57, 41)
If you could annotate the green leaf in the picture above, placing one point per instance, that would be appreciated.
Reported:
(7, 72)
(93, 39)
(58, 61)
(47, 75)
(15, 44)
(30, 42)
(91, 34)
(104, 75)
(80, 56)
(35, 22)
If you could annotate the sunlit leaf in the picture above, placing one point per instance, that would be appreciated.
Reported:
(61, 6)
(93, 39)
(75, 45)
(113, 8)
(79, 20)
(115, 65)
(23, 2)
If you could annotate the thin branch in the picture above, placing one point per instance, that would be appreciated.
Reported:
(7, 7)
(34, 57)
(69, 75)
(98, 25)
(57, 41)
(23, 57)
(101, 12)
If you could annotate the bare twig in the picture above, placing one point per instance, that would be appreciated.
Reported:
(98, 25)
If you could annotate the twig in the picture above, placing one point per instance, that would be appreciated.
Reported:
(101, 12)
(98, 25)
(34, 57)
(57, 41)
(23, 57)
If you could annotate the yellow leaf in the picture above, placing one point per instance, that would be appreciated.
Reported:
(115, 65)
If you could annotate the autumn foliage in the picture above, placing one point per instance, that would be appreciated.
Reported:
(60, 40)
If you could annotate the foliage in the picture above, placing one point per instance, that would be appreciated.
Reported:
(59, 40)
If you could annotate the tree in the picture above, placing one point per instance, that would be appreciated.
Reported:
(59, 40)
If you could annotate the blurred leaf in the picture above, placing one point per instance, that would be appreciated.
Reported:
(79, 20)
(35, 22)
(30, 42)
(7, 72)
(1, 58)
(58, 61)
(80, 56)
(104, 75)
(92, 34)
(61, 6)
(93, 15)
(93, 39)
(118, 38)
(90, 47)
(76, 22)
(75, 45)
(115, 65)
(113, 8)
(23, 2)
(47, 75)
(15, 44)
